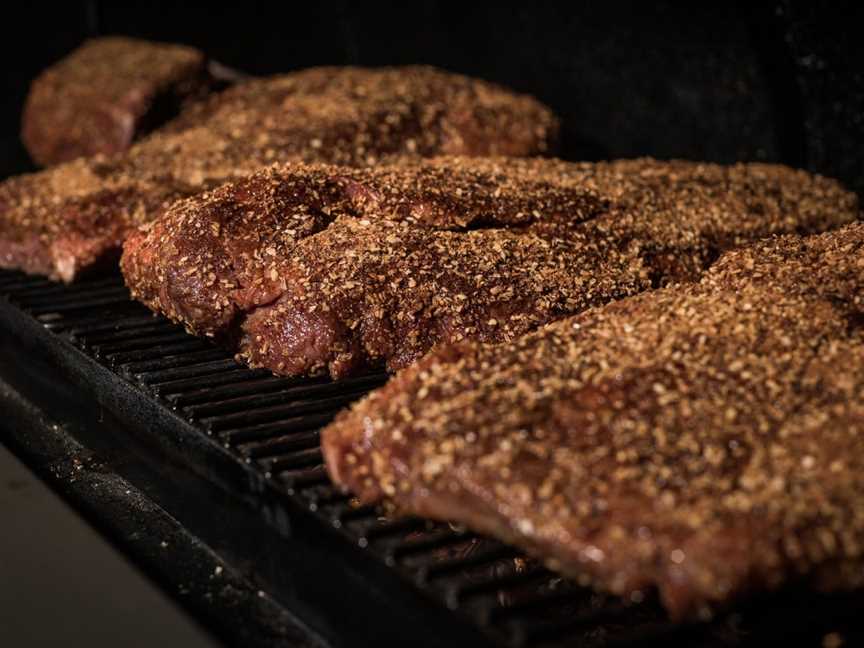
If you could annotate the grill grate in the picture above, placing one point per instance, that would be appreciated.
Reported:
(272, 425)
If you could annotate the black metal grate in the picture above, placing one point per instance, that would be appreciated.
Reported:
(272, 425)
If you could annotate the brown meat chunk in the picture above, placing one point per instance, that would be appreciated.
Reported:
(704, 439)
(61, 221)
(106, 94)
(309, 269)
(362, 293)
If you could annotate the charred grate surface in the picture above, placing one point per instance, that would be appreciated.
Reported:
(271, 425)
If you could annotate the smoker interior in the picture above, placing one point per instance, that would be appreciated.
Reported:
(256, 437)
(775, 81)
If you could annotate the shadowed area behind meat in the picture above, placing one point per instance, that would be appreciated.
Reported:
(704, 439)
(312, 269)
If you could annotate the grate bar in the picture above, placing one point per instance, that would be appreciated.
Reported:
(62, 323)
(246, 402)
(300, 459)
(35, 292)
(351, 510)
(127, 333)
(282, 445)
(196, 369)
(276, 412)
(240, 388)
(233, 373)
(155, 352)
(136, 344)
(72, 297)
(114, 326)
(436, 541)
(51, 288)
(295, 387)
(15, 283)
(304, 478)
(280, 427)
(143, 370)
(478, 558)
(385, 528)
(461, 592)
(84, 304)
(255, 401)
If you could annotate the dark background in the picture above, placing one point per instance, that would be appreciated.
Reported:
(722, 81)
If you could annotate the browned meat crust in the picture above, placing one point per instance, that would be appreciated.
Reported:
(105, 94)
(309, 269)
(60, 221)
(705, 439)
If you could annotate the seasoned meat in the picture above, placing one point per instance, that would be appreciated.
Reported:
(66, 219)
(105, 94)
(310, 269)
(704, 439)
(297, 270)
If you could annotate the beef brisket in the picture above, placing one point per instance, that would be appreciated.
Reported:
(306, 269)
(704, 439)
(63, 220)
(107, 93)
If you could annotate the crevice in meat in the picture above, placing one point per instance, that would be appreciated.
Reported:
(855, 322)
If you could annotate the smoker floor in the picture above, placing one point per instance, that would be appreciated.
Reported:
(47, 606)
(349, 571)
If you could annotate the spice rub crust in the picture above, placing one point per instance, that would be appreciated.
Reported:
(704, 439)
(311, 269)
(64, 220)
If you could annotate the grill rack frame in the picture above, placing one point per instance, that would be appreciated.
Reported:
(255, 435)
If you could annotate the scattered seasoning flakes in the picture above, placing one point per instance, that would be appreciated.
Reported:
(72, 215)
(610, 449)
(339, 269)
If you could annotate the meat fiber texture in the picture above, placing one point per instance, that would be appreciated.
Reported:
(309, 269)
(106, 94)
(74, 217)
(704, 439)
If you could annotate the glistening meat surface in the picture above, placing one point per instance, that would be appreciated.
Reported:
(307, 269)
(704, 439)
